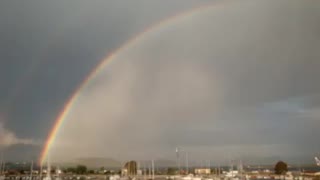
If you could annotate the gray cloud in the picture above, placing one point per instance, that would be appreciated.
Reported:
(9, 138)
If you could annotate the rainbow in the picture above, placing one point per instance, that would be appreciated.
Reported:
(68, 106)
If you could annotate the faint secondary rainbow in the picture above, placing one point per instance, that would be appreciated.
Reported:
(67, 107)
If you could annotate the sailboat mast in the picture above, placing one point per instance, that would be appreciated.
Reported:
(178, 159)
(152, 169)
(3, 166)
(149, 171)
(48, 168)
(31, 169)
(40, 172)
(187, 162)
(145, 171)
(138, 168)
(1, 163)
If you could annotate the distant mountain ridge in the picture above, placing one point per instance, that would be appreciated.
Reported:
(98, 162)
(91, 162)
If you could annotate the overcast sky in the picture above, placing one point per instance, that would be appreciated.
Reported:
(233, 81)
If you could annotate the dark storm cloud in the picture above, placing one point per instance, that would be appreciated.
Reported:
(237, 81)
(48, 47)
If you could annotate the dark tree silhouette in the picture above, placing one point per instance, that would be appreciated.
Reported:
(81, 169)
(171, 171)
(281, 168)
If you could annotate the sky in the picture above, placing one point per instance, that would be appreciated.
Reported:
(236, 80)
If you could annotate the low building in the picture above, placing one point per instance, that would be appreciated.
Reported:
(202, 171)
